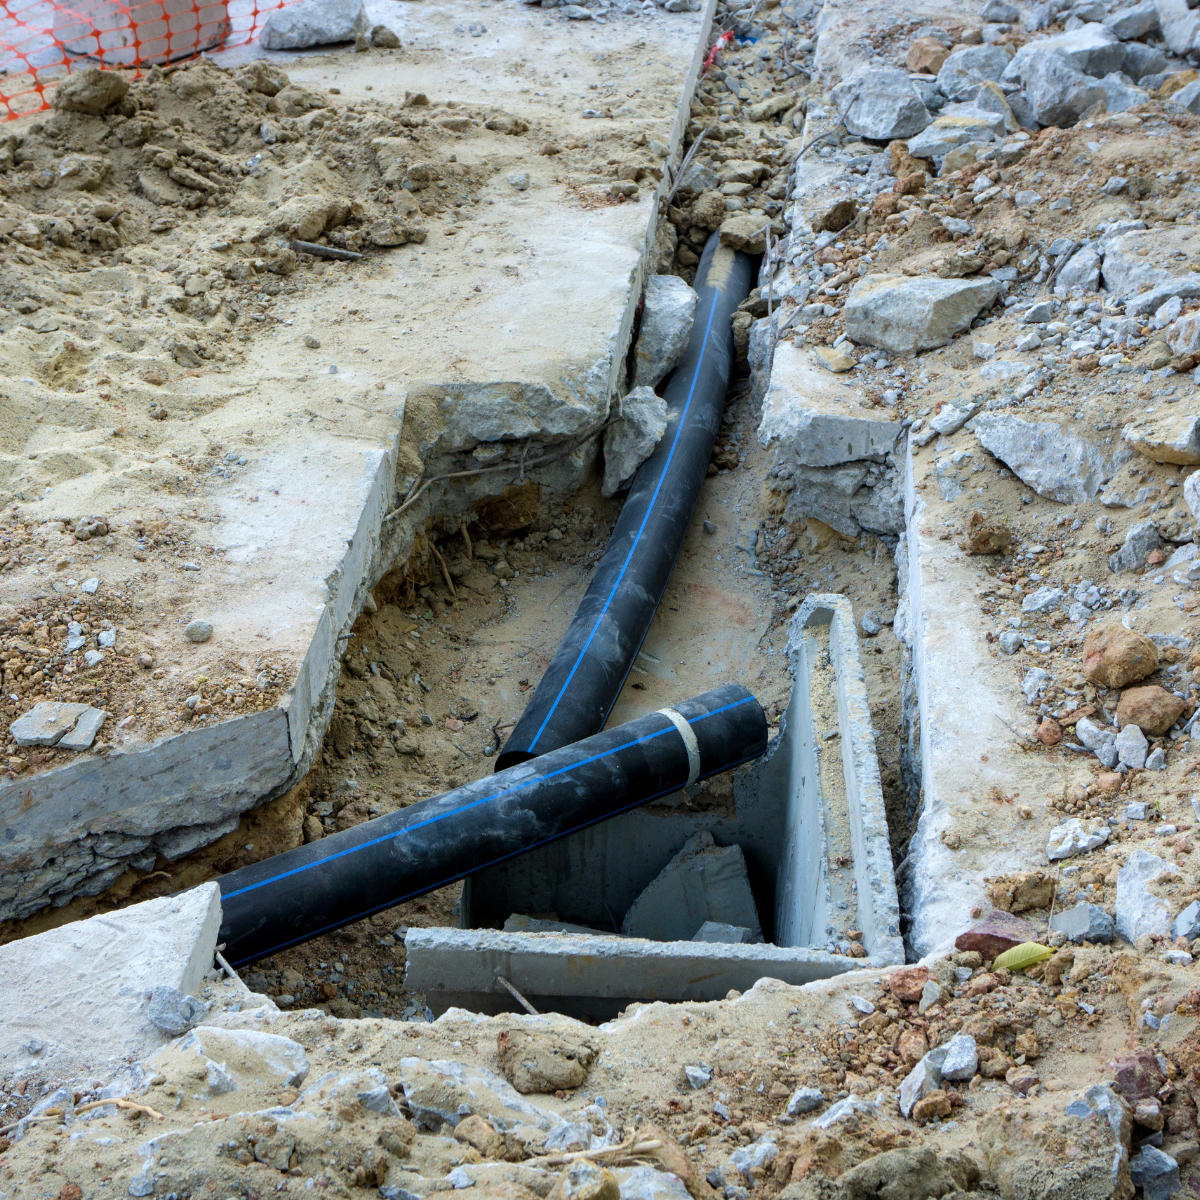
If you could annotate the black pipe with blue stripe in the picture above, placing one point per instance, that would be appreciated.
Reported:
(342, 878)
(585, 677)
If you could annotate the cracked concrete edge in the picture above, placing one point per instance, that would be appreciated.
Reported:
(878, 901)
(272, 750)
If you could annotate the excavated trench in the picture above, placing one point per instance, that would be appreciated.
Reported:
(453, 642)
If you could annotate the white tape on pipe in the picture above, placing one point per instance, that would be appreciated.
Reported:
(689, 740)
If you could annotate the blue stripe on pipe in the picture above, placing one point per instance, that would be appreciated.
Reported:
(641, 528)
(367, 912)
(483, 800)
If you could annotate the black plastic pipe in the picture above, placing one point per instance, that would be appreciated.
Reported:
(585, 677)
(341, 878)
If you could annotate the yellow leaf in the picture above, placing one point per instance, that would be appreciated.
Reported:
(1022, 956)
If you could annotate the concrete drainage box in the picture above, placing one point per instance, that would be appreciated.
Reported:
(808, 817)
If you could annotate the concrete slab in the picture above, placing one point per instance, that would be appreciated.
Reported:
(297, 536)
(76, 998)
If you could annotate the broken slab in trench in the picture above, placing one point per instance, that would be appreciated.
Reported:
(834, 454)
(808, 820)
(307, 525)
(76, 998)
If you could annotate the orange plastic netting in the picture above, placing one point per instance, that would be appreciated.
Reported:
(42, 41)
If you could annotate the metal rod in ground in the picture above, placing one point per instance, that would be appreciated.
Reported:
(342, 878)
(585, 677)
(319, 251)
(512, 991)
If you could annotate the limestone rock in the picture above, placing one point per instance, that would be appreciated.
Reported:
(1135, 22)
(84, 733)
(1082, 270)
(1140, 542)
(804, 1100)
(90, 91)
(1114, 656)
(951, 130)
(924, 1078)
(1132, 747)
(631, 439)
(962, 1058)
(1084, 923)
(1191, 494)
(1152, 708)
(1139, 911)
(1092, 736)
(315, 23)
(1180, 27)
(1074, 837)
(543, 1061)
(667, 313)
(1156, 1173)
(1121, 95)
(584, 1180)
(703, 882)
(901, 314)
(173, 1011)
(880, 103)
(1187, 924)
(1056, 464)
(968, 67)
(1168, 436)
(1058, 93)
(1092, 49)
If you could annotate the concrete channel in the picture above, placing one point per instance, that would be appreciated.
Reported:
(827, 876)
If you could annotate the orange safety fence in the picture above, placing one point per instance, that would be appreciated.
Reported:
(42, 41)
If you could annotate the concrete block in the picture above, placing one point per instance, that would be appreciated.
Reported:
(308, 516)
(76, 999)
(703, 883)
(597, 975)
